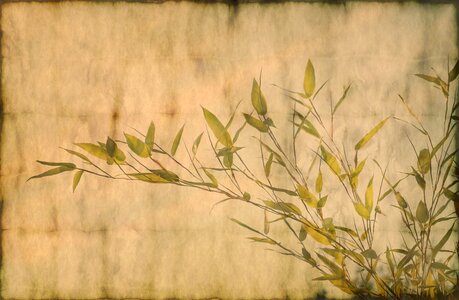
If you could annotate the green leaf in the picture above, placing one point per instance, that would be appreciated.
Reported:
(259, 125)
(110, 146)
(258, 100)
(262, 240)
(369, 196)
(400, 200)
(362, 210)
(436, 80)
(424, 161)
(51, 172)
(57, 164)
(422, 214)
(137, 146)
(330, 264)
(303, 234)
(212, 178)
(305, 252)
(166, 175)
(288, 192)
(421, 182)
(150, 137)
(196, 143)
(347, 230)
(268, 164)
(176, 142)
(244, 225)
(370, 134)
(454, 72)
(331, 161)
(451, 195)
(319, 182)
(83, 157)
(283, 207)
(228, 160)
(442, 242)
(94, 150)
(440, 266)
(322, 201)
(342, 98)
(246, 196)
(217, 128)
(390, 261)
(307, 196)
(76, 179)
(149, 177)
(309, 83)
(370, 254)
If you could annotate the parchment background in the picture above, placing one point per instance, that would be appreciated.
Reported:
(74, 72)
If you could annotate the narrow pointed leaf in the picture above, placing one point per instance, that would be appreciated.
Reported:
(319, 182)
(217, 128)
(177, 140)
(150, 137)
(309, 83)
(307, 196)
(262, 240)
(149, 177)
(212, 178)
(76, 179)
(331, 161)
(268, 165)
(94, 150)
(137, 146)
(259, 125)
(370, 134)
(258, 99)
(369, 196)
(52, 172)
(83, 157)
(454, 72)
(56, 164)
(196, 143)
(362, 210)
(443, 241)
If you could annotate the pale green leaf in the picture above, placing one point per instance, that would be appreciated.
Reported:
(212, 178)
(369, 196)
(76, 179)
(362, 210)
(196, 143)
(52, 172)
(137, 146)
(422, 213)
(307, 196)
(94, 150)
(259, 125)
(331, 161)
(268, 164)
(177, 140)
(424, 161)
(217, 128)
(319, 182)
(370, 134)
(258, 99)
(309, 83)
(150, 137)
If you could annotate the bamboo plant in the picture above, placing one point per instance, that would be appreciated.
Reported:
(349, 257)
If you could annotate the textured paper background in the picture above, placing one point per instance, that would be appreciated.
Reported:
(77, 72)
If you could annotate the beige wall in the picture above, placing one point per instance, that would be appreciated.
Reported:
(69, 67)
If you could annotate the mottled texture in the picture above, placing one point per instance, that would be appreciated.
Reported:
(77, 72)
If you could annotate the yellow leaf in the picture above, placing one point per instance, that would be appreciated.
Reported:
(309, 83)
(361, 210)
(369, 196)
(369, 135)
(258, 100)
(307, 196)
(217, 128)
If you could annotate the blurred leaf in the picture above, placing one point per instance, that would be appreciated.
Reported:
(266, 223)
(303, 234)
(370, 254)
(51, 172)
(236, 135)
(283, 207)
(244, 225)
(307, 196)
(83, 157)
(196, 144)
(442, 242)
(424, 161)
(276, 155)
(277, 189)
(322, 201)
(137, 146)
(438, 146)
(436, 80)
(369, 196)
(262, 240)
(331, 161)
(319, 182)
(76, 179)
(400, 200)
(217, 128)
(421, 182)
(110, 146)
(268, 165)
(342, 98)
(212, 178)
(57, 164)
(94, 150)
(306, 253)
(176, 142)
(347, 230)
(225, 151)
(331, 265)
(306, 125)
(228, 160)
(361, 210)
(259, 125)
(258, 100)
(451, 195)
(149, 177)
(438, 265)
(246, 196)
(269, 122)
(370, 134)
(390, 261)
(422, 214)
(166, 174)
(317, 234)
(454, 72)
(150, 137)
(328, 277)
(309, 82)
